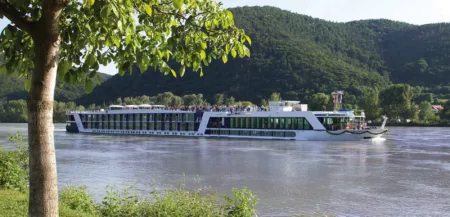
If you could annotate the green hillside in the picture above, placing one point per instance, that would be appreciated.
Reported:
(298, 55)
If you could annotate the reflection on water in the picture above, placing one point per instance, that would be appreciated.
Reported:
(408, 173)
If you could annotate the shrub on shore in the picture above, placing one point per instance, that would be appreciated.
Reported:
(75, 201)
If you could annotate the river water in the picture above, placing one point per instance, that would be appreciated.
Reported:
(407, 174)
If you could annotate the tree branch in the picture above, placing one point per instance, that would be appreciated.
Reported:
(20, 20)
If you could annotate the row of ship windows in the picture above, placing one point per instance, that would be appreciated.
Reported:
(136, 117)
(141, 126)
(282, 123)
(250, 133)
(145, 133)
(271, 123)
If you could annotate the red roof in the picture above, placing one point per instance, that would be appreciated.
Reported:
(437, 107)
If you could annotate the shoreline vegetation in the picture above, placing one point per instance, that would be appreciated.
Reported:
(391, 101)
(76, 201)
(182, 201)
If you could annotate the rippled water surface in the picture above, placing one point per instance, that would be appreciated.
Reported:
(406, 174)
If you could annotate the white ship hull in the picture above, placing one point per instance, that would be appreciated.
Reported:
(274, 125)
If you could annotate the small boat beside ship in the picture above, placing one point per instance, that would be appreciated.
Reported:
(283, 120)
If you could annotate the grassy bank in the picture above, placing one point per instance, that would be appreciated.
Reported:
(75, 201)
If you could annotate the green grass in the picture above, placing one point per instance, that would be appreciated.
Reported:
(74, 201)
(13, 203)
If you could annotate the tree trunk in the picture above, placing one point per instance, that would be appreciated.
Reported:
(43, 199)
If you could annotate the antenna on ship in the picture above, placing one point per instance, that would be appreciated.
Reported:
(337, 98)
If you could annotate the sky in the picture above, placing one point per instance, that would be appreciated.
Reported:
(411, 11)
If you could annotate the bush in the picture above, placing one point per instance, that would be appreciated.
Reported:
(121, 203)
(76, 198)
(183, 202)
(242, 204)
(14, 165)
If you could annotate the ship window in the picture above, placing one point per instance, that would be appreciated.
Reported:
(271, 123)
(182, 126)
(288, 123)
(234, 132)
(245, 133)
(174, 126)
(158, 117)
(289, 134)
(282, 123)
(191, 117)
(278, 134)
(266, 133)
(276, 124)
(191, 126)
(224, 132)
(130, 125)
(307, 125)
(256, 133)
(265, 123)
(151, 126)
(137, 125)
(158, 126)
(300, 123)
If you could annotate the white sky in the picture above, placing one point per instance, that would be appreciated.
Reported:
(410, 11)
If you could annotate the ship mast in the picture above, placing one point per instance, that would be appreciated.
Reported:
(337, 98)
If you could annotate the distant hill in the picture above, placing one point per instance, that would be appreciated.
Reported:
(298, 56)
(12, 88)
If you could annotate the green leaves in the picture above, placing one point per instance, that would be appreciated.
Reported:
(89, 3)
(116, 40)
(224, 58)
(119, 25)
(233, 53)
(90, 59)
(89, 86)
(147, 34)
(174, 74)
(248, 39)
(229, 14)
(182, 70)
(202, 54)
(203, 44)
(2, 68)
(28, 84)
(105, 12)
(148, 10)
(178, 4)
(246, 51)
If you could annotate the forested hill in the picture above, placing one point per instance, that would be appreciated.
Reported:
(12, 88)
(298, 56)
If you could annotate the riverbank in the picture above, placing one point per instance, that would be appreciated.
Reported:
(15, 203)
(75, 201)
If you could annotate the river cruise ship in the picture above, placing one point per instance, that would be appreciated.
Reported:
(283, 120)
